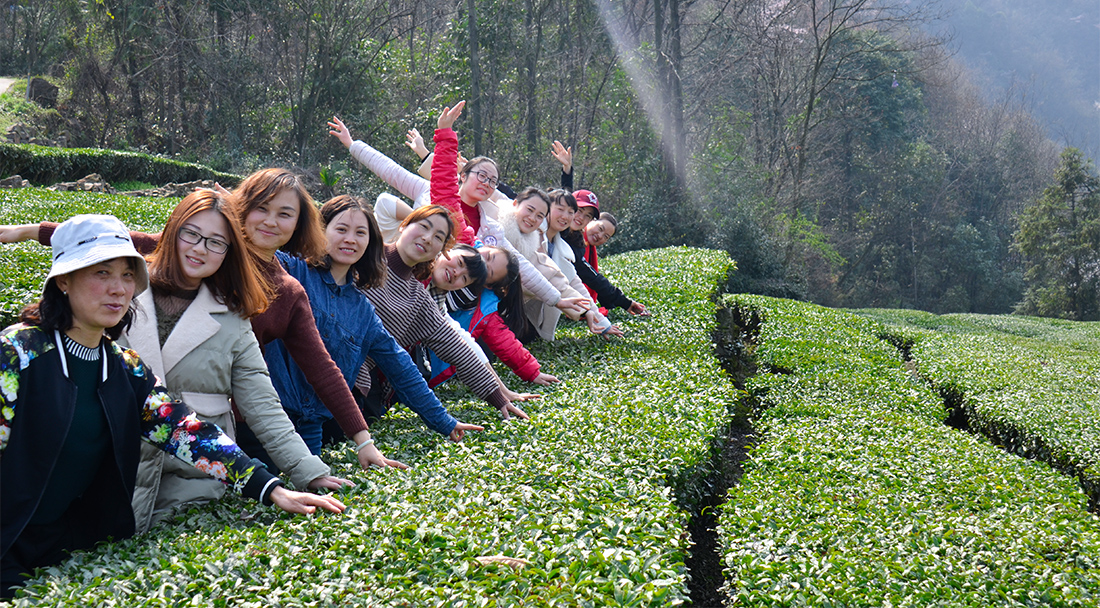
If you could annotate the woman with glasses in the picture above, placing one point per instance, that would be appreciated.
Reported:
(195, 333)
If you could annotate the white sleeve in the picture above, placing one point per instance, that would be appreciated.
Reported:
(385, 212)
(406, 182)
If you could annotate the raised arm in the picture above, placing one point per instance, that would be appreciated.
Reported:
(564, 156)
(407, 183)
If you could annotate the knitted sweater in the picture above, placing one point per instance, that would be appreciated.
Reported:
(410, 315)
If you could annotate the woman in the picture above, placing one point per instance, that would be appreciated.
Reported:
(349, 326)
(491, 316)
(521, 224)
(467, 195)
(194, 333)
(411, 316)
(276, 213)
(61, 371)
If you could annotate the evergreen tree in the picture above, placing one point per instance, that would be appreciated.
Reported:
(1060, 239)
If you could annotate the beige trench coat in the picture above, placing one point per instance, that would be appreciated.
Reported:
(210, 356)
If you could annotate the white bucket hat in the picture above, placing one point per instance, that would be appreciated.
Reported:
(85, 240)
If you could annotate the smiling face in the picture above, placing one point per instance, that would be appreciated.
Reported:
(561, 216)
(271, 225)
(451, 274)
(196, 260)
(583, 216)
(348, 236)
(478, 184)
(99, 295)
(529, 213)
(599, 232)
(422, 240)
(496, 263)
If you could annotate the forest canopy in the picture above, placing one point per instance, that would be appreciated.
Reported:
(838, 152)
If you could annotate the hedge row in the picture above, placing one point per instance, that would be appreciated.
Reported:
(43, 165)
(23, 266)
(858, 494)
(1032, 385)
(590, 492)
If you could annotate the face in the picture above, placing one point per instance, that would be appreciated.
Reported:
(348, 236)
(197, 260)
(496, 262)
(451, 274)
(479, 183)
(529, 214)
(582, 217)
(99, 295)
(599, 232)
(423, 240)
(271, 225)
(561, 215)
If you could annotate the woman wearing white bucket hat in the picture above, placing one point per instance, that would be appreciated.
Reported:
(74, 407)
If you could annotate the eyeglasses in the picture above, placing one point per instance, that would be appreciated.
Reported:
(485, 178)
(213, 243)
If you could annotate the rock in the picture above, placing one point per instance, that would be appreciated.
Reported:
(42, 93)
(89, 183)
(14, 181)
(19, 133)
(174, 190)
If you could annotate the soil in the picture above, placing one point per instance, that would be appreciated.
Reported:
(5, 84)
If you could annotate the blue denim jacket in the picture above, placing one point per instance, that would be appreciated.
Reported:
(351, 331)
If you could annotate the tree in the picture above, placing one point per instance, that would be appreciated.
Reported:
(1060, 239)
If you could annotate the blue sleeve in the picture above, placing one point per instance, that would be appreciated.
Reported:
(402, 373)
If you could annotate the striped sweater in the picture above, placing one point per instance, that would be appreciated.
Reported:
(411, 316)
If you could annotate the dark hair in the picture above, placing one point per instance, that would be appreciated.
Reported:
(510, 292)
(563, 196)
(475, 267)
(54, 312)
(423, 270)
(533, 192)
(478, 160)
(261, 187)
(370, 269)
(573, 237)
(238, 282)
(610, 219)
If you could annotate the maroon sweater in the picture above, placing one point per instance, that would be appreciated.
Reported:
(289, 318)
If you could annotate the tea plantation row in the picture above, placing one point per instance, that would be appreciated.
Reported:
(1030, 384)
(859, 494)
(589, 493)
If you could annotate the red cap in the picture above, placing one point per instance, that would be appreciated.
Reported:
(585, 198)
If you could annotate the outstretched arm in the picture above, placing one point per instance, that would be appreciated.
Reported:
(565, 157)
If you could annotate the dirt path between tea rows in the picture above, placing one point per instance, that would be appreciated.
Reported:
(5, 83)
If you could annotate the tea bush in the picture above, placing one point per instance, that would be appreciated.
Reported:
(1032, 385)
(590, 493)
(43, 165)
(858, 494)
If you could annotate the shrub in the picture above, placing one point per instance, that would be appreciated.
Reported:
(45, 166)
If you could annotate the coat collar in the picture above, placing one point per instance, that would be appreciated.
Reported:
(194, 327)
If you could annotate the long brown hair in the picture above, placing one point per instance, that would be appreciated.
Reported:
(238, 283)
(308, 240)
(370, 270)
(423, 270)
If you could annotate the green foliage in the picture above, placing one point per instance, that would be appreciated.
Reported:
(589, 492)
(45, 166)
(859, 494)
(1060, 239)
(1028, 384)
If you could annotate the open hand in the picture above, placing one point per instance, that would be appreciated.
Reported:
(370, 455)
(340, 130)
(511, 409)
(564, 156)
(304, 502)
(329, 482)
(415, 141)
(449, 115)
(545, 379)
(638, 309)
